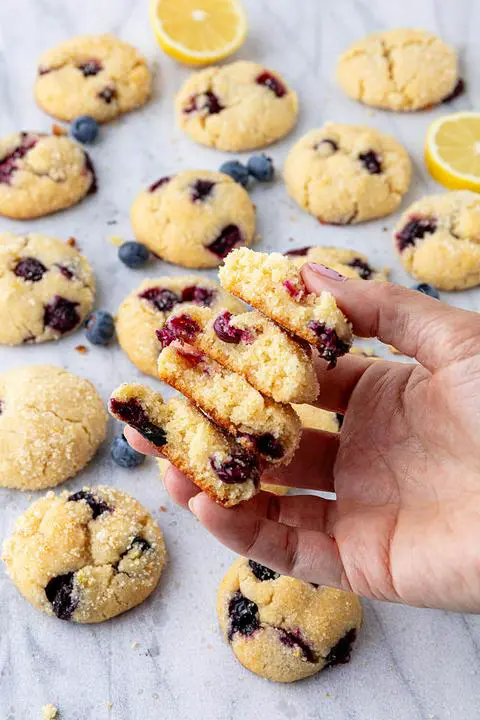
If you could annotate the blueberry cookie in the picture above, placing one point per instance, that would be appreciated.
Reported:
(189, 440)
(40, 174)
(240, 106)
(346, 174)
(51, 424)
(284, 299)
(96, 75)
(85, 556)
(249, 344)
(349, 263)
(46, 288)
(260, 424)
(400, 70)
(194, 219)
(147, 308)
(438, 240)
(285, 629)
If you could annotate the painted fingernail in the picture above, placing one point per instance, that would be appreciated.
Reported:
(326, 272)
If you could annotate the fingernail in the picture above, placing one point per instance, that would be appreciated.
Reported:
(326, 272)
(191, 505)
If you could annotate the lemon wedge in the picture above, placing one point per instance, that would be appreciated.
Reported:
(198, 32)
(452, 151)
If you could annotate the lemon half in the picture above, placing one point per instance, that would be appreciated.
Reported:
(452, 151)
(198, 32)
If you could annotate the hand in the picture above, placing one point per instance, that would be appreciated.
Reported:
(405, 525)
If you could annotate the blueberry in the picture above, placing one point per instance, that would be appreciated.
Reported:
(236, 170)
(133, 254)
(100, 327)
(124, 455)
(84, 129)
(427, 289)
(261, 167)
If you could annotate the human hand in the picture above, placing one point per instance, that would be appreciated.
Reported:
(405, 525)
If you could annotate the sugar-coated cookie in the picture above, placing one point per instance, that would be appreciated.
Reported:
(234, 107)
(194, 218)
(346, 174)
(285, 629)
(146, 309)
(85, 556)
(210, 458)
(40, 174)
(399, 70)
(46, 288)
(250, 344)
(284, 299)
(438, 240)
(96, 75)
(349, 263)
(259, 423)
(51, 424)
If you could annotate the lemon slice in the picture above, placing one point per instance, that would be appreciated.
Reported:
(198, 32)
(452, 151)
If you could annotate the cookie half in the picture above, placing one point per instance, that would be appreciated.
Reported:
(260, 424)
(282, 628)
(40, 174)
(284, 298)
(438, 240)
(234, 107)
(85, 556)
(345, 174)
(96, 75)
(194, 218)
(249, 344)
(210, 458)
(147, 308)
(46, 288)
(51, 424)
(400, 70)
(349, 263)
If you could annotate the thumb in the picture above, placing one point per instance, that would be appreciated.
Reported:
(434, 333)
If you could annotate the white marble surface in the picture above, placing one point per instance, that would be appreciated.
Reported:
(409, 664)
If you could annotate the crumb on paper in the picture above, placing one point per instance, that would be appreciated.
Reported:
(50, 712)
(135, 644)
(82, 349)
(58, 130)
(385, 228)
(112, 222)
(71, 242)
(162, 508)
(115, 240)
(109, 705)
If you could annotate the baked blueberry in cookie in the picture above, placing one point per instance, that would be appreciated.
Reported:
(235, 107)
(415, 229)
(131, 412)
(282, 628)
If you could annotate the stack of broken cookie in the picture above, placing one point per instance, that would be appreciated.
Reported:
(240, 373)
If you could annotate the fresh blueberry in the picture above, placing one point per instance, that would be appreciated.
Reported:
(124, 455)
(133, 254)
(236, 170)
(100, 327)
(84, 129)
(427, 289)
(261, 167)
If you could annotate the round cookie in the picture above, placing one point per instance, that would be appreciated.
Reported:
(51, 424)
(194, 218)
(147, 308)
(349, 263)
(438, 240)
(240, 106)
(285, 629)
(96, 75)
(46, 288)
(85, 556)
(346, 174)
(40, 174)
(400, 70)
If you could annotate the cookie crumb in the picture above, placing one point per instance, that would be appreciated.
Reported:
(58, 130)
(109, 705)
(135, 644)
(82, 349)
(116, 240)
(71, 242)
(49, 712)
(385, 229)
(112, 222)
(162, 508)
